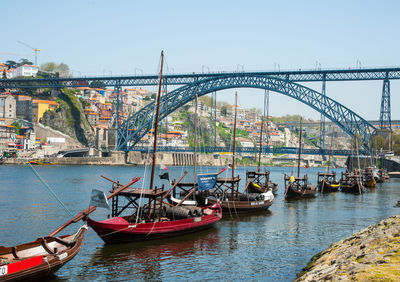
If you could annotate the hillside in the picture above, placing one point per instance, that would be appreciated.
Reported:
(69, 118)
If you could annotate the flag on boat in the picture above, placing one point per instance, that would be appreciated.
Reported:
(206, 181)
(165, 175)
(99, 199)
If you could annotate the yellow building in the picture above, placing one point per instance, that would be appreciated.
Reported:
(39, 107)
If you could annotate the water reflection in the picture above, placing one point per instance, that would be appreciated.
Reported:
(147, 260)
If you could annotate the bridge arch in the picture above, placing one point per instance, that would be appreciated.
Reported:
(135, 127)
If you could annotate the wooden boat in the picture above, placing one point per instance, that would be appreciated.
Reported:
(39, 259)
(235, 202)
(298, 187)
(368, 178)
(173, 222)
(259, 180)
(149, 216)
(382, 176)
(327, 182)
(351, 182)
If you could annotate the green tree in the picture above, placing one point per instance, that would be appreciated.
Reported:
(11, 64)
(48, 67)
(396, 144)
(63, 69)
(224, 110)
(377, 142)
(4, 74)
(24, 62)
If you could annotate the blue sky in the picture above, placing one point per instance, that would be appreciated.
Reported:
(124, 37)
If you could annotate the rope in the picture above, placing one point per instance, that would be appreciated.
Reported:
(45, 185)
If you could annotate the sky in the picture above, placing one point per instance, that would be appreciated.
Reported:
(125, 37)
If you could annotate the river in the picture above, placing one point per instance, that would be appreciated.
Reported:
(267, 246)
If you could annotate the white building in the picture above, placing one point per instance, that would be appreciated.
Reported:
(25, 70)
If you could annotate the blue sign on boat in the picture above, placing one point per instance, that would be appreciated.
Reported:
(206, 181)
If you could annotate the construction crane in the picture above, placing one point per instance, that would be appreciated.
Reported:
(12, 54)
(34, 49)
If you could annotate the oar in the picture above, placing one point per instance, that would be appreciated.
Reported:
(91, 209)
(247, 185)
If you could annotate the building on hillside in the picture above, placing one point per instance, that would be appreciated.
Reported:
(8, 107)
(39, 107)
(245, 142)
(7, 137)
(29, 140)
(92, 117)
(25, 70)
(24, 107)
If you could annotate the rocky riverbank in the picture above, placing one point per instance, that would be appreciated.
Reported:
(370, 255)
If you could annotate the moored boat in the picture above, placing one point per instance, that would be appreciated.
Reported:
(368, 178)
(260, 183)
(327, 182)
(351, 182)
(39, 259)
(298, 187)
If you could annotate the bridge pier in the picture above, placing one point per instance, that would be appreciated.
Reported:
(385, 116)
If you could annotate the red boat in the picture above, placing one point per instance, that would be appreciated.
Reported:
(148, 216)
(120, 229)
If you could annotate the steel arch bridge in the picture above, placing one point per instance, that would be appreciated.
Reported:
(134, 128)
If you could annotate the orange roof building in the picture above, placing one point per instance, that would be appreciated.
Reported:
(39, 107)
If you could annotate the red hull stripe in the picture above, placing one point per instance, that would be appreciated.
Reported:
(25, 264)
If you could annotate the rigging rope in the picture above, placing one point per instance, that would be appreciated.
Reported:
(45, 185)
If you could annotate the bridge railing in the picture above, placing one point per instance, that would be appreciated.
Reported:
(249, 150)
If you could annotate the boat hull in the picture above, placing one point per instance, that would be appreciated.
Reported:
(118, 230)
(351, 188)
(35, 263)
(293, 193)
(328, 187)
(241, 207)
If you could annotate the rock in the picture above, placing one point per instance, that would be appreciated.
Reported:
(359, 253)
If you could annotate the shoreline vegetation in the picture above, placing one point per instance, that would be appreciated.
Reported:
(168, 159)
(373, 254)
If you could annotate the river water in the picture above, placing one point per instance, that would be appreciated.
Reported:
(267, 246)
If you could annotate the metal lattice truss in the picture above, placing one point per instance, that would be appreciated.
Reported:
(183, 79)
(133, 129)
(385, 115)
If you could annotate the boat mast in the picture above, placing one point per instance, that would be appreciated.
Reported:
(330, 150)
(261, 137)
(195, 141)
(301, 133)
(156, 123)
(234, 145)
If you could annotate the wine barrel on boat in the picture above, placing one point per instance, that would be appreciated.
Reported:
(177, 212)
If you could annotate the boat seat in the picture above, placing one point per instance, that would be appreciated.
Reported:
(62, 242)
(46, 247)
